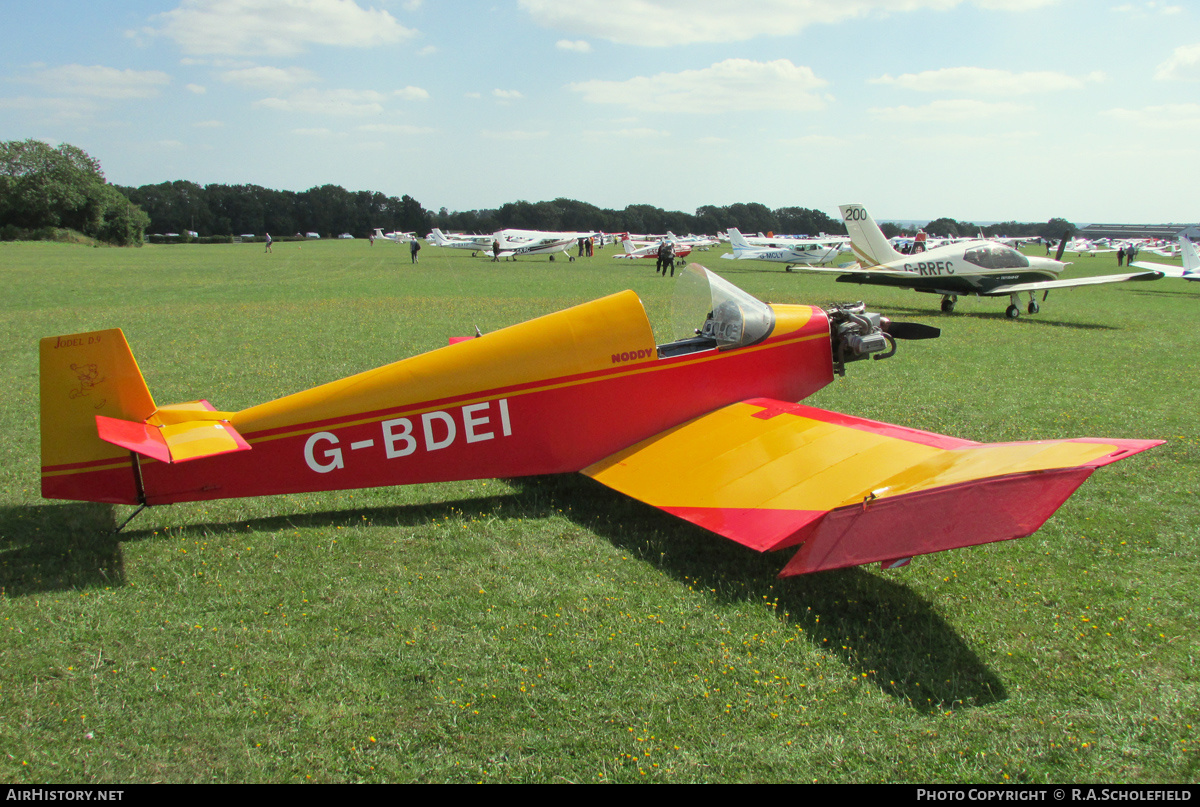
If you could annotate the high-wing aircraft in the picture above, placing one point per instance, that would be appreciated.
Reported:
(1191, 262)
(973, 267)
(793, 252)
(703, 427)
(550, 244)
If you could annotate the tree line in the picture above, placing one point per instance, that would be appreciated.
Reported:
(42, 187)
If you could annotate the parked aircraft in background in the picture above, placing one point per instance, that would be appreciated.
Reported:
(1191, 262)
(549, 244)
(650, 250)
(398, 237)
(797, 251)
(974, 267)
(703, 428)
(475, 243)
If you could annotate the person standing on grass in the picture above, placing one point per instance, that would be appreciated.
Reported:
(414, 247)
(268, 242)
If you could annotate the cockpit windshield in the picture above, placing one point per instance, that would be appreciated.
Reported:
(996, 256)
(708, 307)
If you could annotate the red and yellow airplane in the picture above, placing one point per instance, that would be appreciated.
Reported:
(702, 428)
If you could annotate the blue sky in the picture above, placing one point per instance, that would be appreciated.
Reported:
(975, 109)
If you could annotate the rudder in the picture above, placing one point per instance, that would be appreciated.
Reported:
(84, 375)
(869, 243)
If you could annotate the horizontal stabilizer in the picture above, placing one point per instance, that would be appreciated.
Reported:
(175, 433)
(771, 475)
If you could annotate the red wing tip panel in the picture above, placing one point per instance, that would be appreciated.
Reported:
(934, 520)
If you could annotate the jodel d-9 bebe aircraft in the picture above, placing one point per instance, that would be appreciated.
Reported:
(702, 428)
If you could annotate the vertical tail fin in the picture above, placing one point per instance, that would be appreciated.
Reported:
(84, 375)
(869, 243)
(737, 240)
(1191, 259)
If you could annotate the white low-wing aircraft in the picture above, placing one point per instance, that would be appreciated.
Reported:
(976, 267)
(650, 250)
(1191, 262)
(398, 237)
(475, 243)
(793, 252)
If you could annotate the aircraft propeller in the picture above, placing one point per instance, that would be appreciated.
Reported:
(910, 330)
(1062, 246)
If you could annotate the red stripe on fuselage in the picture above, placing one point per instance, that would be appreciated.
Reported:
(548, 426)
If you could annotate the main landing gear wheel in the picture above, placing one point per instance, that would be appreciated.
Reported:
(1012, 312)
(570, 259)
(947, 305)
(1033, 307)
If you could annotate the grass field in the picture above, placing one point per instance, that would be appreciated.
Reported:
(551, 630)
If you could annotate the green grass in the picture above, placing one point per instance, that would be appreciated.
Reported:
(552, 630)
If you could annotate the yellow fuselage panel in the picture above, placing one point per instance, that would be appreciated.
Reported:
(578, 340)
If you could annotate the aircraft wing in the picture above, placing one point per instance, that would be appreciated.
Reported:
(1170, 270)
(849, 491)
(1072, 282)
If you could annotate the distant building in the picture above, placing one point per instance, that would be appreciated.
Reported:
(1165, 232)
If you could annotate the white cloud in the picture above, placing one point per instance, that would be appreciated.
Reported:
(100, 82)
(411, 93)
(986, 81)
(395, 128)
(1184, 65)
(737, 85)
(661, 23)
(815, 141)
(328, 102)
(196, 89)
(1167, 116)
(635, 133)
(276, 27)
(515, 134)
(507, 95)
(577, 45)
(1143, 10)
(263, 77)
(952, 111)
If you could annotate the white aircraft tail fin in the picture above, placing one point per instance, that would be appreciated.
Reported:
(867, 241)
(737, 240)
(1191, 257)
(629, 247)
(439, 238)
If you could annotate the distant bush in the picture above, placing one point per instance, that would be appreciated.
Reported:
(43, 188)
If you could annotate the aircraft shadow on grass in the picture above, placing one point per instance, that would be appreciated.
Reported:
(879, 628)
(58, 547)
